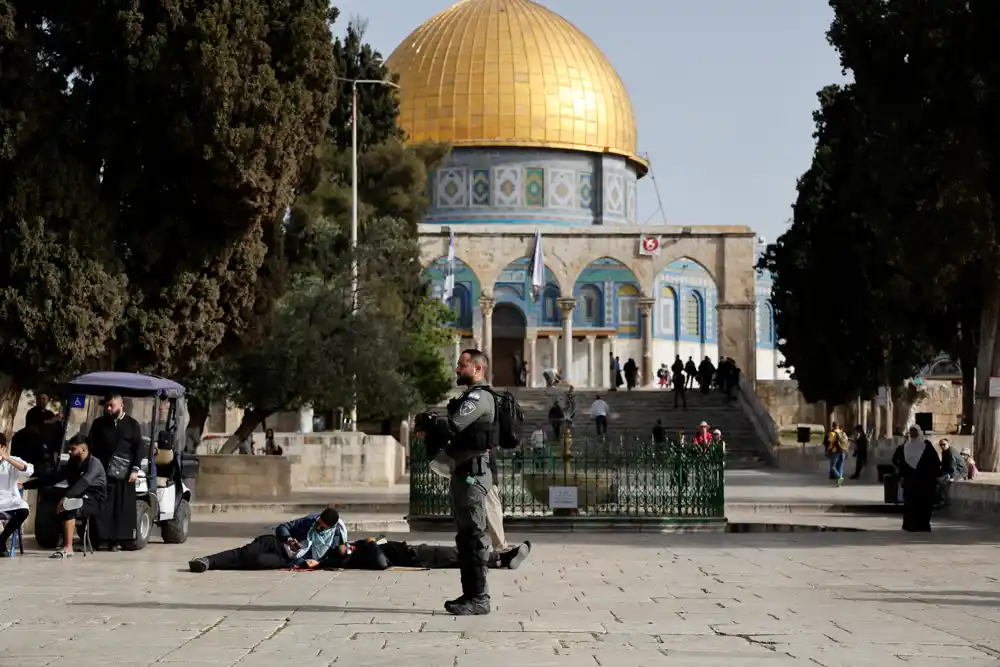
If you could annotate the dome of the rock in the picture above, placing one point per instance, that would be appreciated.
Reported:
(511, 73)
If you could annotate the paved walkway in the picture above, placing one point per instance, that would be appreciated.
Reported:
(829, 599)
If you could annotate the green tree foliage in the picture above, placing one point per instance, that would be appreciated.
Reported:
(843, 313)
(927, 79)
(147, 150)
(388, 353)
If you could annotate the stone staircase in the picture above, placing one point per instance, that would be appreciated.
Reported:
(633, 414)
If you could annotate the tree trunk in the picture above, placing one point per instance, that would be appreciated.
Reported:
(197, 416)
(251, 420)
(968, 363)
(10, 398)
(987, 409)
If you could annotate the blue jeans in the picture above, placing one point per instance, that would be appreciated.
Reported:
(837, 464)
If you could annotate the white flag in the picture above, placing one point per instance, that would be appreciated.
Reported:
(537, 271)
(449, 271)
(649, 245)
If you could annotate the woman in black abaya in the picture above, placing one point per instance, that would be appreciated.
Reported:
(919, 467)
(116, 438)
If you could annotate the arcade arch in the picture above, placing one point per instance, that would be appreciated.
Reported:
(726, 255)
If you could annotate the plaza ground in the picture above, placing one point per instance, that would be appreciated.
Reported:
(877, 597)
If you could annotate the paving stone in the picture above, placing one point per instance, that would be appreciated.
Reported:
(877, 598)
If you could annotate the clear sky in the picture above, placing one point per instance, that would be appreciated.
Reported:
(723, 92)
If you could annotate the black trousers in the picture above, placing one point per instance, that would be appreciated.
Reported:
(263, 553)
(680, 397)
(13, 521)
(602, 425)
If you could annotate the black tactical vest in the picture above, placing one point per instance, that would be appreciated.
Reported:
(480, 436)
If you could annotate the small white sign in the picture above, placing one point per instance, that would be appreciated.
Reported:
(563, 497)
(994, 387)
(883, 397)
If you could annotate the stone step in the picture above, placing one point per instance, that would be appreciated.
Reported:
(633, 414)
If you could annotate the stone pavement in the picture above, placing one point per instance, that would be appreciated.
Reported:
(748, 600)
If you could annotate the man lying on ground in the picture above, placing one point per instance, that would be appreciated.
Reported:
(311, 542)
(381, 554)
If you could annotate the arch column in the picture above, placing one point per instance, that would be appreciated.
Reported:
(566, 307)
(486, 305)
(532, 358)
(609, 360)
(457, 340)
(591, 362)
(646, 308)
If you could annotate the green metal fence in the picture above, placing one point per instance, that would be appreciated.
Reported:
(629, 478)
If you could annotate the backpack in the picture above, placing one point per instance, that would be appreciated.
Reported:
(843, 444)
(509, 418)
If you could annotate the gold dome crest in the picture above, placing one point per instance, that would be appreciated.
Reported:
(511, 73)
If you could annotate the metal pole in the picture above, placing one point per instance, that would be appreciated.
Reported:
(354, 227)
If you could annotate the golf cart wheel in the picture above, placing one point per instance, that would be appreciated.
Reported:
(175, 531)
(47, 527)
(143, 526)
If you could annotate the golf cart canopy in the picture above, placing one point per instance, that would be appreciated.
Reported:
(126, 384)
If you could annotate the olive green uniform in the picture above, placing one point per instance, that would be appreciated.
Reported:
(471, 420)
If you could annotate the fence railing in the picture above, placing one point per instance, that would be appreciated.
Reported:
(627, 478)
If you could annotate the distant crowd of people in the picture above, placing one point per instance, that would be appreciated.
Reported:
(681, 376)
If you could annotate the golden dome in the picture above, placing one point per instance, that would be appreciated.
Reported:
(511, 73)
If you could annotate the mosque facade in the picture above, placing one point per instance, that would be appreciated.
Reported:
(545, 166)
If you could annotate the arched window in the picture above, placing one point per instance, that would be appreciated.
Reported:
(550, 305)
(591, 306)
(668, 312)
(692, 315)
(628, 305)
(766, 325)
(461, 305)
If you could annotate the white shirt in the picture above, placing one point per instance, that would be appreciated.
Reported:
(599, 408)
(10, 497)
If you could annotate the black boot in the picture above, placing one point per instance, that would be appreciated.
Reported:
(467, 578)
(512, 559)
(474, 606)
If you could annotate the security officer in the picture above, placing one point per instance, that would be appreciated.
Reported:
(473, 434)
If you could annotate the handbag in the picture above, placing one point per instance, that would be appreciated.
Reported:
(119, 467)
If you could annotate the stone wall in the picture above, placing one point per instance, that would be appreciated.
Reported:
(334, 460)
(975, 500)
(789, 408)
(321, 461)
(235, 477)
(786, 405)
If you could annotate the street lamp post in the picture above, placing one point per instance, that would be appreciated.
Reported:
(354, 202)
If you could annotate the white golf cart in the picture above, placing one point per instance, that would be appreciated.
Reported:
(159, 406)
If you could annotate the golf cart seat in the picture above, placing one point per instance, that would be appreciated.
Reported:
(164, 465)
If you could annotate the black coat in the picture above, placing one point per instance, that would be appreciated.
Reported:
(123, 437)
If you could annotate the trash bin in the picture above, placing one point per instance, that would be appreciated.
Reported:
(892, 490)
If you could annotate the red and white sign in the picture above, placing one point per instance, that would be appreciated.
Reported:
(649, 245)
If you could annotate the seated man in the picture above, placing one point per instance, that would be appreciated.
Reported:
(85, 495)
(314, 541)
(381, 554)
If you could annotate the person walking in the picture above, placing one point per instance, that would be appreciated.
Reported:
(837, 445)
(470, 422)
(679, 382)
(860, 451)
(599, 411)
(919, 467)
